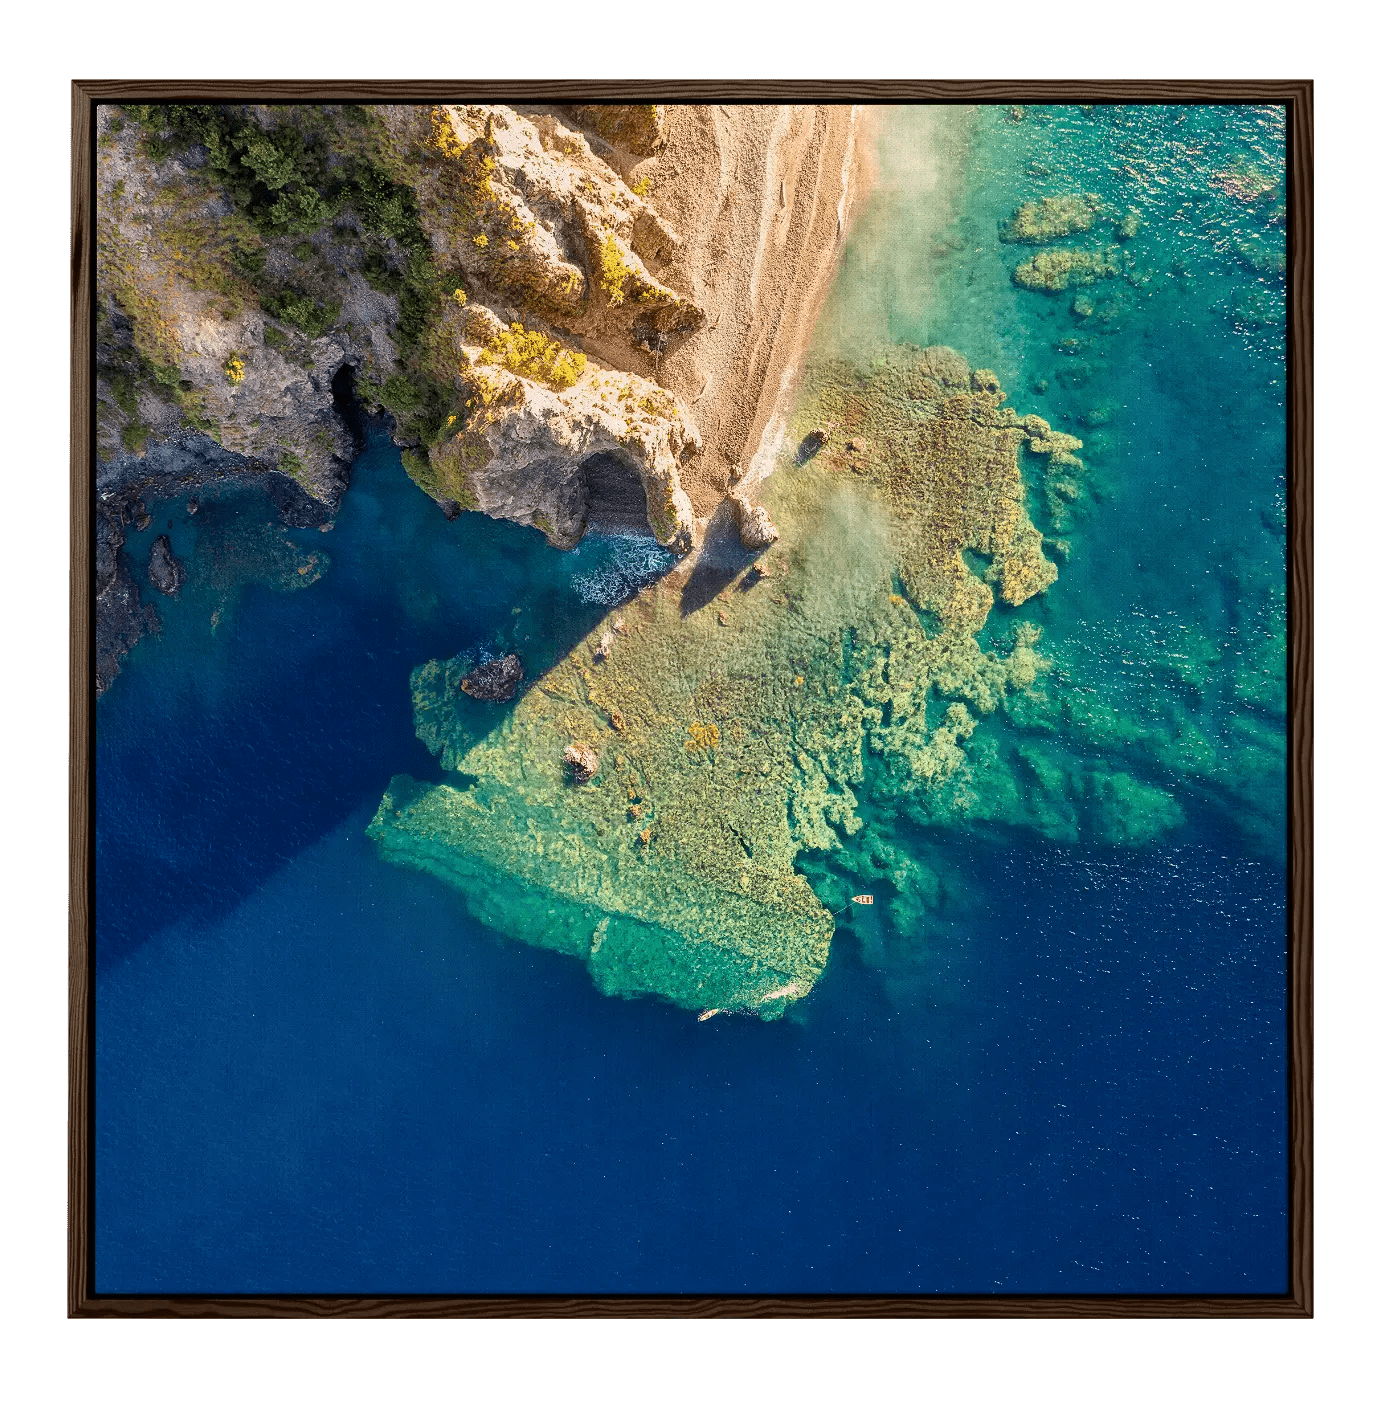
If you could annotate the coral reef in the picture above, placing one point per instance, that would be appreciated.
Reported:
(943, 452)
(1243, 180)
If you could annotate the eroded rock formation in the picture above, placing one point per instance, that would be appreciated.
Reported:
(559, 307)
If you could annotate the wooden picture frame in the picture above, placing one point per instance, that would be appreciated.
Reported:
(1295, 1302)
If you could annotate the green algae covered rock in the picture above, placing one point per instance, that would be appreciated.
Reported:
(1059, 268)
(1052, 217)
(734, 736)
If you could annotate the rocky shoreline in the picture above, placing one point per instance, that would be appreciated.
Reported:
(566, 313)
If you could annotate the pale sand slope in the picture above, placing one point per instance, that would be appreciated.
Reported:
(762, 197)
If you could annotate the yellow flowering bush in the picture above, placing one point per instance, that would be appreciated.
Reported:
(535, 356)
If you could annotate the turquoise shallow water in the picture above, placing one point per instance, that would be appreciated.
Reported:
(1062, 1071)
(1167, 622)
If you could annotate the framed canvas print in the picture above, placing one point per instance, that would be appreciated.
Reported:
(691, 699)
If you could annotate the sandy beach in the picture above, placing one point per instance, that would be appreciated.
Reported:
(763, 198)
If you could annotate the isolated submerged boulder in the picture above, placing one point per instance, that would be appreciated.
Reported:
(496, 680)
(581, 763)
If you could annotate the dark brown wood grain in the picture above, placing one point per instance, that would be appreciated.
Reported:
(1300, 700)
(81, 702)
(1296, 1302)
(695, 1306)
(755, 91)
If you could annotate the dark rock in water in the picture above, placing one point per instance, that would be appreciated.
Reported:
(496, 680)
(811, 445)
(165, 571)
(296, 507)
(581, 762)
(121, 618)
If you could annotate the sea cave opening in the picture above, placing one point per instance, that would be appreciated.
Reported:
(615, 502)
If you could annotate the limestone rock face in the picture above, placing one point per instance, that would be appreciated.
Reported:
(184, 348)
(522, 208)
(756, 528)
(635, 128)
(526, 450)
(556, 310)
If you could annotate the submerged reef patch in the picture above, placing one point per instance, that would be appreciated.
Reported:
(731, 737)
(1059, 268)
(1051, 217)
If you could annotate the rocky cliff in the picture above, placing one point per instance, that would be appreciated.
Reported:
(570, 314)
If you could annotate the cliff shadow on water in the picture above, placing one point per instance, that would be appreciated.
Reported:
(273, 695)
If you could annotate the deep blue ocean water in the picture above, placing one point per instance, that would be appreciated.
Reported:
(316, 1073)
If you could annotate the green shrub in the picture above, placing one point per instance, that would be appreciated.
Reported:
(401, 396)
(311, 317)
(123, 390)
(612, 271)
